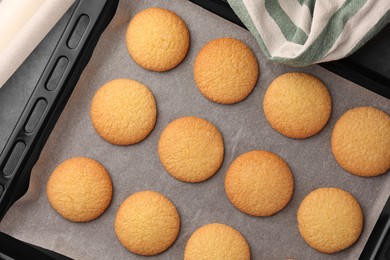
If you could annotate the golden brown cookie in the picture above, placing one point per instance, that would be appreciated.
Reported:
(218, 242)
(79, 189)
(297, 105)
(361, 141)
(123, 112)
(191, 149)
(147, 223)
(330, 219)
(226, 70)
(157, 39)
(259, 183)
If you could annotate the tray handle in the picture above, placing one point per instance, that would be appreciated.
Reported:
(56, 84)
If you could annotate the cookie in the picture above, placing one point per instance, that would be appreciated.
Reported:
(259, 183)
(297, 105)
(157, 39)
(79, 189)
(361, 141)
(147, 223)
(226, 71)
(218, 242)
(330, 219)
(191, 149)
(123, 112)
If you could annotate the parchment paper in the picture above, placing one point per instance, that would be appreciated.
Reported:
(137, 167)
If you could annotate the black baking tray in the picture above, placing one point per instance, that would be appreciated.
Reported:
(73, 51)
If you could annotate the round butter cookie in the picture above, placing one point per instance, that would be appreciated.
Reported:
(191, 149)
(123, 112)
(157, 39)
(259, 183)
(226, 70)
(297, 105)
(218, 242)
(361, 141)
(147, 223)
(79, 189)
(330, 219)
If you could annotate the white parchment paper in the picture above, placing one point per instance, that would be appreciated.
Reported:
(137, 167)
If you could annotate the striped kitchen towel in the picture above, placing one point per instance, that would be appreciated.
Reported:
(303, 32)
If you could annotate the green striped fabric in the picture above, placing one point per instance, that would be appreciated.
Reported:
(303, 32)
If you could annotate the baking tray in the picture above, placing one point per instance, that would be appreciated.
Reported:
(24, 162)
